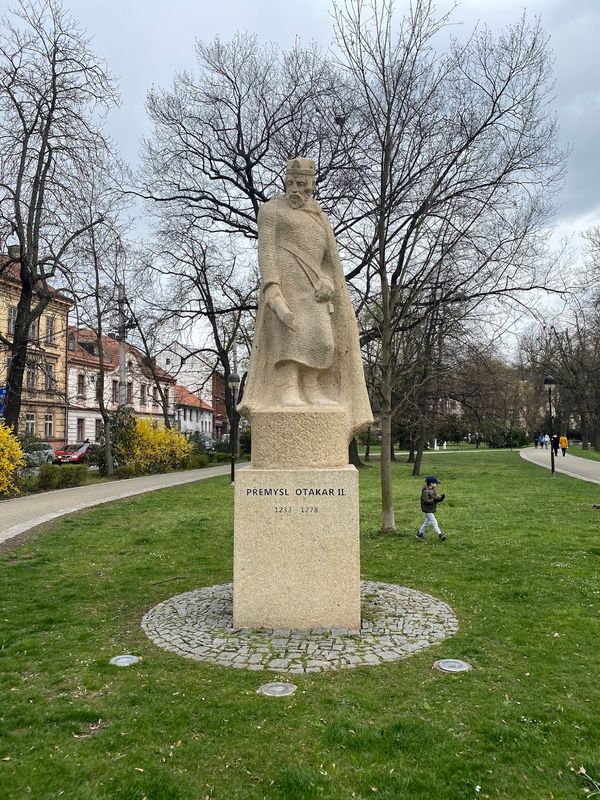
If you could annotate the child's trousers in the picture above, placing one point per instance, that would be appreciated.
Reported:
(430, 520)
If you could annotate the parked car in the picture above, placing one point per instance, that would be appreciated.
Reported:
(74, 453)
(37, 453)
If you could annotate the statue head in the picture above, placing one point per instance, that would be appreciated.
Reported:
(299, 181)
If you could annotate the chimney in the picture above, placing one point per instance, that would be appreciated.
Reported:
(14, 252)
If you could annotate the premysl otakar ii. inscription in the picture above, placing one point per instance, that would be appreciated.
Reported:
(296, 544)
(299, 492)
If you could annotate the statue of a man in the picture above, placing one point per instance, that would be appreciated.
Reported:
(306, 350)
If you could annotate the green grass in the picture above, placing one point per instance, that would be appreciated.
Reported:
(575, 450)
(520, 568)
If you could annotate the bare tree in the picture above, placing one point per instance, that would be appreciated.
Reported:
(458, 167)
(52, 88)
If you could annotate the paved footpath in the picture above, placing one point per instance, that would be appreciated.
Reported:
(22, 513)
(583, 468)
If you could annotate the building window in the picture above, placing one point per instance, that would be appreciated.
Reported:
(130, 393)
(34, 330)
(80, 429)
(12, 320)
(30, 377)
(98, 431)
(49, 377)
(30, 423)
(185, 414)
(143, 394)
(81, 386)
(48, 426)
(115, 391)
(49, 330)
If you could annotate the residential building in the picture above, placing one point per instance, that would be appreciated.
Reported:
(44, 397)
(200, 378)
(191, 370)
(141, 393)
(193, 414)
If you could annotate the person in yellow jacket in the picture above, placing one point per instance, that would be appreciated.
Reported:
(564, 443)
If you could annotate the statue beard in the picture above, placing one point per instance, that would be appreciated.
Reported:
(296, 200)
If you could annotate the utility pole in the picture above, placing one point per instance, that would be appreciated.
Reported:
(122, 374)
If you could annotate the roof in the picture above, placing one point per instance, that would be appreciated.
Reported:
(183, 397)
(78, 354)
(10, 273)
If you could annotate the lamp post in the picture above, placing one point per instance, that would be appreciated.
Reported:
(550, 383)
(233, 381)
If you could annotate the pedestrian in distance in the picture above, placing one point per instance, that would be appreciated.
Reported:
(541, 440)
(564, 444)
(429, 501)
(536, 439)
(555, 444)
(546, 440)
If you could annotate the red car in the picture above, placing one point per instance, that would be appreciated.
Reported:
(73, 453)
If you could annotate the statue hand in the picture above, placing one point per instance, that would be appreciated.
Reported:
(324, 290)
(288, 319)
(281, 308)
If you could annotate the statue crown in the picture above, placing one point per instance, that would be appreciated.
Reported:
(301, 166)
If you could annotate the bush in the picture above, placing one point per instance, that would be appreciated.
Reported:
(11, 458)
(219, 457)
(122, 431)
(246, 442)
(72, 475)
(54, 476)
(157, 449)
(196, 461)
(125, 471)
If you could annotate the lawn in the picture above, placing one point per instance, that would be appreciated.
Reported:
(576, 450)
(520, 569)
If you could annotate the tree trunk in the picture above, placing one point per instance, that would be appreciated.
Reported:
(353, 455)
(18, 360)
(387, 503)
(368, 446)
(418, 456)
(411, 453)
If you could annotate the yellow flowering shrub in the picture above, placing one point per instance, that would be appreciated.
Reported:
(11, 458)
(157, 449)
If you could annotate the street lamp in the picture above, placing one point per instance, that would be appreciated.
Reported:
(233, 381)
(550, 383)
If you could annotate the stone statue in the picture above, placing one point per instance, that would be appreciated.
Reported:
(306, 352)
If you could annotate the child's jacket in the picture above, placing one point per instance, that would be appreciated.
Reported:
(429, 499)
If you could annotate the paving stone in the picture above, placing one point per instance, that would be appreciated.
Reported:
(198, 625)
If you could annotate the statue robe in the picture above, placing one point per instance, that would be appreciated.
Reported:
(296, 250)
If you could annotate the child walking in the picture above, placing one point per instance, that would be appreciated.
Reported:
(429, 500)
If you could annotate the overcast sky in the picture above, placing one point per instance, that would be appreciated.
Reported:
(145, 43)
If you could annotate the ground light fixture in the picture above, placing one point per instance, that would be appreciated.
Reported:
(124, 661)
(452, 665)
(233, 381)
(550, 383)
(277, 689)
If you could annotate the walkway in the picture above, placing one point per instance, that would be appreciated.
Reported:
(583, 468)
(22, 513)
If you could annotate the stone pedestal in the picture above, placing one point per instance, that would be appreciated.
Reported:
(289, 437)
(296, 549)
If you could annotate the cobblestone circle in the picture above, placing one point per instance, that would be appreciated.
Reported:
(397, 622)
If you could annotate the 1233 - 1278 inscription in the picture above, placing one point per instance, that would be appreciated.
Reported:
(301, 510)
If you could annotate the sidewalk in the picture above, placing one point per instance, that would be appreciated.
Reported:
(583, 468)
(22, 513)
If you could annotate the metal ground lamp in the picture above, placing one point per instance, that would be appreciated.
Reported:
(233, 381)
(550, 383)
